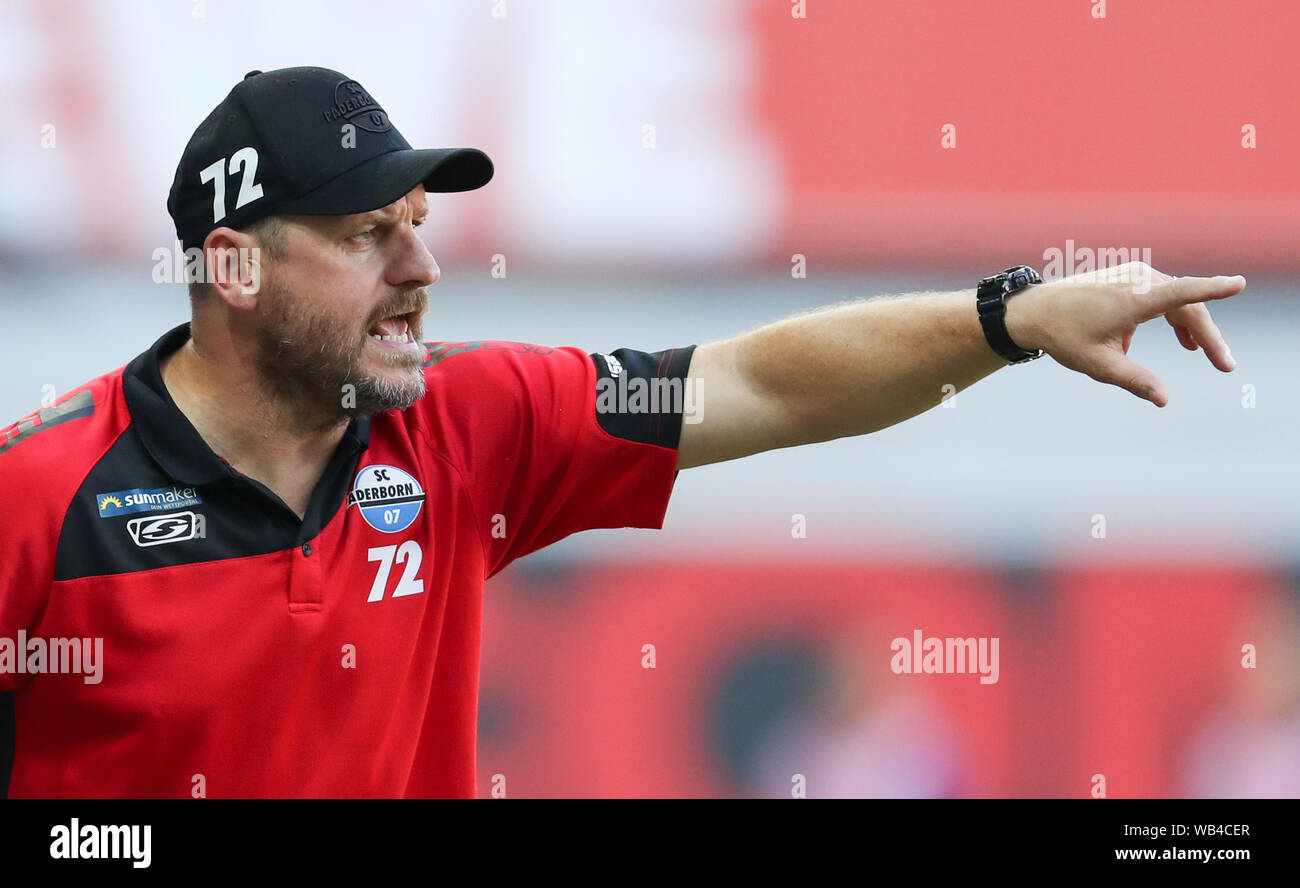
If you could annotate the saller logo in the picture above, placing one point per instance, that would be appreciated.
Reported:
(158, 530)
(389, 498)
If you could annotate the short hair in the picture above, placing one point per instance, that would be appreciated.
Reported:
(270, 234)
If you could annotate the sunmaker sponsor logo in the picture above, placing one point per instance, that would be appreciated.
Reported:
(159, 499)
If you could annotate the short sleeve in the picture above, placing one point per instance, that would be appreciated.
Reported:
(553, 441)
(30, 533)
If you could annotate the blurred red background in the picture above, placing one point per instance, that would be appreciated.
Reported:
(1122, 671)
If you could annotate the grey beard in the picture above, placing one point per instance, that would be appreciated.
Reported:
(322, 383)
(377, 395)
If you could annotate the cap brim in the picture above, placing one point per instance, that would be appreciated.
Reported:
(382, 180)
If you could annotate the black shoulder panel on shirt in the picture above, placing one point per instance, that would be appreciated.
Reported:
(80, 405)
(128, 516)
(642, 396)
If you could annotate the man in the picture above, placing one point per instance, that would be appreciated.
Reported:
(250, 562)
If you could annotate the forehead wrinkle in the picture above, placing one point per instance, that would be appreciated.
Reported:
(375, 216)
(393, 212)
(384, 215)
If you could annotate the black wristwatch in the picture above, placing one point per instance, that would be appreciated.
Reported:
(991, 302)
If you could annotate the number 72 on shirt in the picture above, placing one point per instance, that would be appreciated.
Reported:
(408, 554)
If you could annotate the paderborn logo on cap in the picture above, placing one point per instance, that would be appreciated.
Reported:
(353, 104)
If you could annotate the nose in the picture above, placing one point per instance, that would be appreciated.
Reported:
(411, 265)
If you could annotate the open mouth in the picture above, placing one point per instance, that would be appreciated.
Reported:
(397, 329)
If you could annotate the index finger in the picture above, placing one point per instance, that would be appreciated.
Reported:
(1180, 291)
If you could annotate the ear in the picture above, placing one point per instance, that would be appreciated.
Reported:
(233, 261)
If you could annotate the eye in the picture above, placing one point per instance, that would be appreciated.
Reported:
(364, 236)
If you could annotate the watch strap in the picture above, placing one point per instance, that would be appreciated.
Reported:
(991, 302)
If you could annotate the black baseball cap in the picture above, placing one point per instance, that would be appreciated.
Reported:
(303, 140)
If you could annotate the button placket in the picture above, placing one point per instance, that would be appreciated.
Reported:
(306, 591)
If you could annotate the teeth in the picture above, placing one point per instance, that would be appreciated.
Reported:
(405, 337)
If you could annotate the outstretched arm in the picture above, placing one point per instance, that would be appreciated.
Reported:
(855, 368)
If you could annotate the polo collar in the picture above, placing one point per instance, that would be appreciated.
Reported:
(169, 436)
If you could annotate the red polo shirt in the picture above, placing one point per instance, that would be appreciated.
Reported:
(170, 628)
